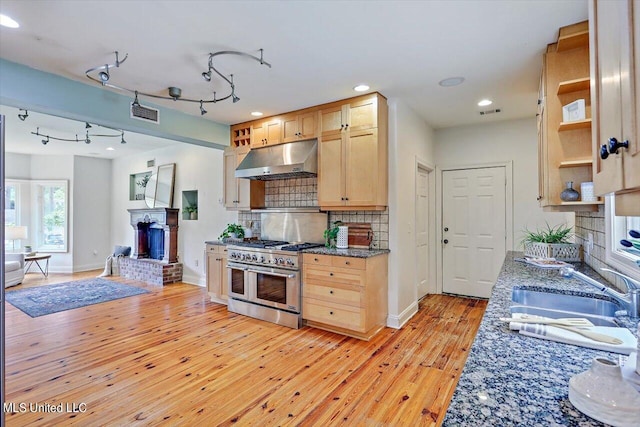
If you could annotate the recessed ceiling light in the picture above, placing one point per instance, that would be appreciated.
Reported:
(110, 149)
(361, 88)
(485, 102)
(8, 22)
(256, 113)
(451, 81)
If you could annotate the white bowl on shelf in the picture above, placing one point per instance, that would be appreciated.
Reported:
(602, 394)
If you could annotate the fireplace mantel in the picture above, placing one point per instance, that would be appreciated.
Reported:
(167, 219)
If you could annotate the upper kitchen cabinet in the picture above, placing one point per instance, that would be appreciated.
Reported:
(299, 126)
(240, 194)
(352, 155)
(241, 135)
(356, 114)
(268, 132)
(564, 121)
(615, 85)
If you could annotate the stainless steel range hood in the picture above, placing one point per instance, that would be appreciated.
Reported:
(291, 160)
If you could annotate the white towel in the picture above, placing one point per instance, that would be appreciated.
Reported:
(549, 332)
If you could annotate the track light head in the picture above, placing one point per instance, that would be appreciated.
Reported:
(175, 93)
(45, 141)
(202, 110)
(104, 75)
(207, 76)
(122, 141)
(87, 140)
(87, 125)
(135, 101)
(24, 115)
(235, 98)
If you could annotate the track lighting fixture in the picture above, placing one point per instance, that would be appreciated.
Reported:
(175, 93)
(86, 139)
(24, 115)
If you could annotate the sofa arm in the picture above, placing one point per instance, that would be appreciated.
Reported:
(15, 257)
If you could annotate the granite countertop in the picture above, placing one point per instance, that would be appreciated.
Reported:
(351, 252)
(215, 242)
(511, 379)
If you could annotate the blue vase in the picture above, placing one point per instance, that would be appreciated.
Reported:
(569, 194)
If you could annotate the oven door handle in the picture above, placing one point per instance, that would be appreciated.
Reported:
(288, 276)
(237, 268)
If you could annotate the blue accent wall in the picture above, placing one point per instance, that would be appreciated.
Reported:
(25, 87)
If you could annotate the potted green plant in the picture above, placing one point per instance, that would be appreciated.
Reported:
(331, 235)
(192, 210)
(551, 242)
(234, 231)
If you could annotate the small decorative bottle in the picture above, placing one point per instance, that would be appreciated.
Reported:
(569, 194)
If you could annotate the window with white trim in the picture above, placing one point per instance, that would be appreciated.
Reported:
(51, 215)
(11, 212)
(622, 249)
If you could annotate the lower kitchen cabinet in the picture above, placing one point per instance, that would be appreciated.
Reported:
(346, 295)
(217, 273)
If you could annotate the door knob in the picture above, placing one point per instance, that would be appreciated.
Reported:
(614, 145)
(445, 241)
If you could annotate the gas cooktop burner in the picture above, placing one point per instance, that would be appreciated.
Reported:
(260, 243)
(301, 246)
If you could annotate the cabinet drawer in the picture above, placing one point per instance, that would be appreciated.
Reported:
(329, 276)
(217, 249)
(338, 315)
(338, 295)
(315, 259)
(349, 262)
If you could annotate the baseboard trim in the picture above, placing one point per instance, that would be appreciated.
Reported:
(398, 321)
(194, 280)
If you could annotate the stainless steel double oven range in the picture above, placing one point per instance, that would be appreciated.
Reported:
(265, 276)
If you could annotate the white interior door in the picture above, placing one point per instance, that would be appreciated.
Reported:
(473, 229)
(422, 231)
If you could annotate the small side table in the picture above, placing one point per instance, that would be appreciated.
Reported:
(29, 260)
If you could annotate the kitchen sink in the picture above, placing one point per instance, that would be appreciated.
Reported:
(598, 311)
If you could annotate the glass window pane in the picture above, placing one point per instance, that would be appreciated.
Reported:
(52, 218)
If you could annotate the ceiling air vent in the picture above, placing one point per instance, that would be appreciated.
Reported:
(486, 112)
(146, 114)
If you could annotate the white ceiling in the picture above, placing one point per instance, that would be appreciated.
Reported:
(319, 50)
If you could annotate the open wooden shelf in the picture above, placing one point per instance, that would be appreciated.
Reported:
(573, 40)
(574, 85)
(578, 124)
(576, 163)
(597, 202)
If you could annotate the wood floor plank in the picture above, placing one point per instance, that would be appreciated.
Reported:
(172, 357)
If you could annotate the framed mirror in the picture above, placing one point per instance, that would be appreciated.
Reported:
(159, 190)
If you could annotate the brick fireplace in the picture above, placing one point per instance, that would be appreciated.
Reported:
(154, 257)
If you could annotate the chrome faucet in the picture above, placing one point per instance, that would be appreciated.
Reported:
(629, 301)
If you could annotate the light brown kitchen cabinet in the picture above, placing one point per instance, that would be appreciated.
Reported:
(240, 193)
(241, 135)
(299, 126)
(564, 147)
(216, 272)
(615, 80)
(268, 132)
(357, 114)
(352, 155)
(346, 295)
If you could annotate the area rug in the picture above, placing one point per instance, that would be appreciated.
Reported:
(43, 300)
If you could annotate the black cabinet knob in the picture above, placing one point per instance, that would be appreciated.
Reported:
(604, 153)
(445, 241)
(446, 229)
(614, 145)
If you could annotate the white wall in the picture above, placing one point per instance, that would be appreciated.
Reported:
(197, 168)
(91, 226)
(410, 139)
(514, 140)
(17, 166)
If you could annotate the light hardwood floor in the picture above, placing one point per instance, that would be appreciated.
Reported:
(171, 357)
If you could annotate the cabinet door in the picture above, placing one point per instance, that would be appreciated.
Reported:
(230, 181)
(224, 277)
(257, 135)
(332, 120)
(631, 125)
(307, 125)
(363, 114)
(361, 168)
(212, 273)
(273, 132)
(606, 42)
(243, 195)
(290, 128)
(331, 171)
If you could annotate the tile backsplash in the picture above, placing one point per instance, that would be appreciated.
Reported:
(303, 192)
(593, 222)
